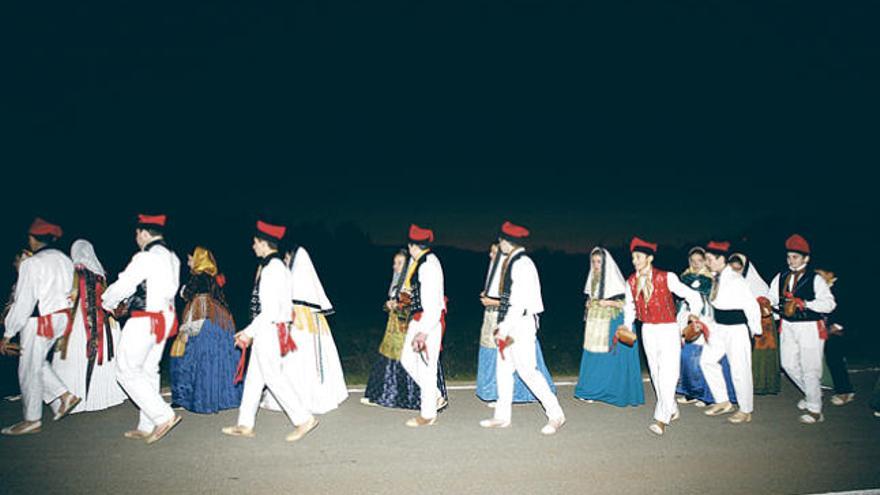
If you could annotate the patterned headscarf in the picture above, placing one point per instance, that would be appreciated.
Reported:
(203, 262)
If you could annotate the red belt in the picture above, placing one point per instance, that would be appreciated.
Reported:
(157, 323)
(45, 327)
(820, 324)
(284, 339)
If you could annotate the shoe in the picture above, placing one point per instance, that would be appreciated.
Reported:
(553, 426)
(22, 428)
(67, 405)
(684, 400)
(494, 423)
(802, 405)
(367, 402)
(238, 431)
(160, 431)
(842, 399)
(740, 417)
(302, 430)
(675, 416)
(811, 418)
(877, 414)
(700, 404)
(13, 398)
(719, 409)
(136, 434)
(442, 403)
(419, 421)
(657, 428)
(491, 405)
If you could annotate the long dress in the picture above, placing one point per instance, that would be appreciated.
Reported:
(610, 371)
(389, 384)
(766, 376)
(691, 383)
(85, 359)
(203, 356)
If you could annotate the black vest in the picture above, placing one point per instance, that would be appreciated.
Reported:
(804, 289)
(506, 282)
(416, 286)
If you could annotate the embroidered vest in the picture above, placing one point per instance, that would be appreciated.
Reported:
(661, 307)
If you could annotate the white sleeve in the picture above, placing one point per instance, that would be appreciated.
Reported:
(525, 284)
(693, 298)
(751, 308)
(629, 308)
(24, 300)
(431, 294)
(135, 273)
(271, 287)
(773, 295)
(824, 301)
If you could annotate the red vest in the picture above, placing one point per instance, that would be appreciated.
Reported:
(661, 307)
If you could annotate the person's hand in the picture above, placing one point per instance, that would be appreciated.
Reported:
(243, 340)
(8, 349)
(390, 304)
(419, 341)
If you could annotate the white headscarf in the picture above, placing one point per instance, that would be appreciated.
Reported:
(83, 254)
(756, 284)
(614, 283)
(306, 286)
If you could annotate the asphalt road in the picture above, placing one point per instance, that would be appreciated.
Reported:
(359, 449)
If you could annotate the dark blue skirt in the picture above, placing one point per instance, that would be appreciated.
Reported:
(389, 385)
(201, 379)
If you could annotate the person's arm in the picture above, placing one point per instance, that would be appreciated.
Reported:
(773, 294)
(751, 308)
(824, 301)
(272, 286)
(24, 300)
(629, 308)
(126, 285)
(431, 293)
(693, 298)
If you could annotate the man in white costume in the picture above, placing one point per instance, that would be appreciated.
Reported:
(145, 290)
(735, 312)
(269, 333)
(40, 313)
(803, 299)
(423, 285)
(521, 303)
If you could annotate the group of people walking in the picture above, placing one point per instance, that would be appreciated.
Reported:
(713, 337)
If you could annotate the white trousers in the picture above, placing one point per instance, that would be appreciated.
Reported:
(662, 343)
(264, 371)
(801, 353)
(732, 341)
(38, 381)
(137, 370)
(521, 358)
(424, 374)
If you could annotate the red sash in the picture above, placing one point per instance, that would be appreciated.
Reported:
(285, 341)
(45, 327)
(157, 323)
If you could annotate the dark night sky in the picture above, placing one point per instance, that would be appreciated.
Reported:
(586, 121)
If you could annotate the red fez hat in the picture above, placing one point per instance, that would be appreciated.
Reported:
(642, 246)
(797, 244)
(513, 232)
(270, 232)
(718, 248)
(155, 222)
(420, 235)
(42, 227)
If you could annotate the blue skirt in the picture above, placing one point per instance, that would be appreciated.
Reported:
(201, 379)
(692, 384)
(487, 387)
(614, 377)
(390, 385)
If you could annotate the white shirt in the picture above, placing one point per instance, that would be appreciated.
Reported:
(692, 297)
(431, 294)
(525, 291)
(733, 293)
(823, 303)
(495, 281)
(159, 267)
(45, 281)
(275, 303)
